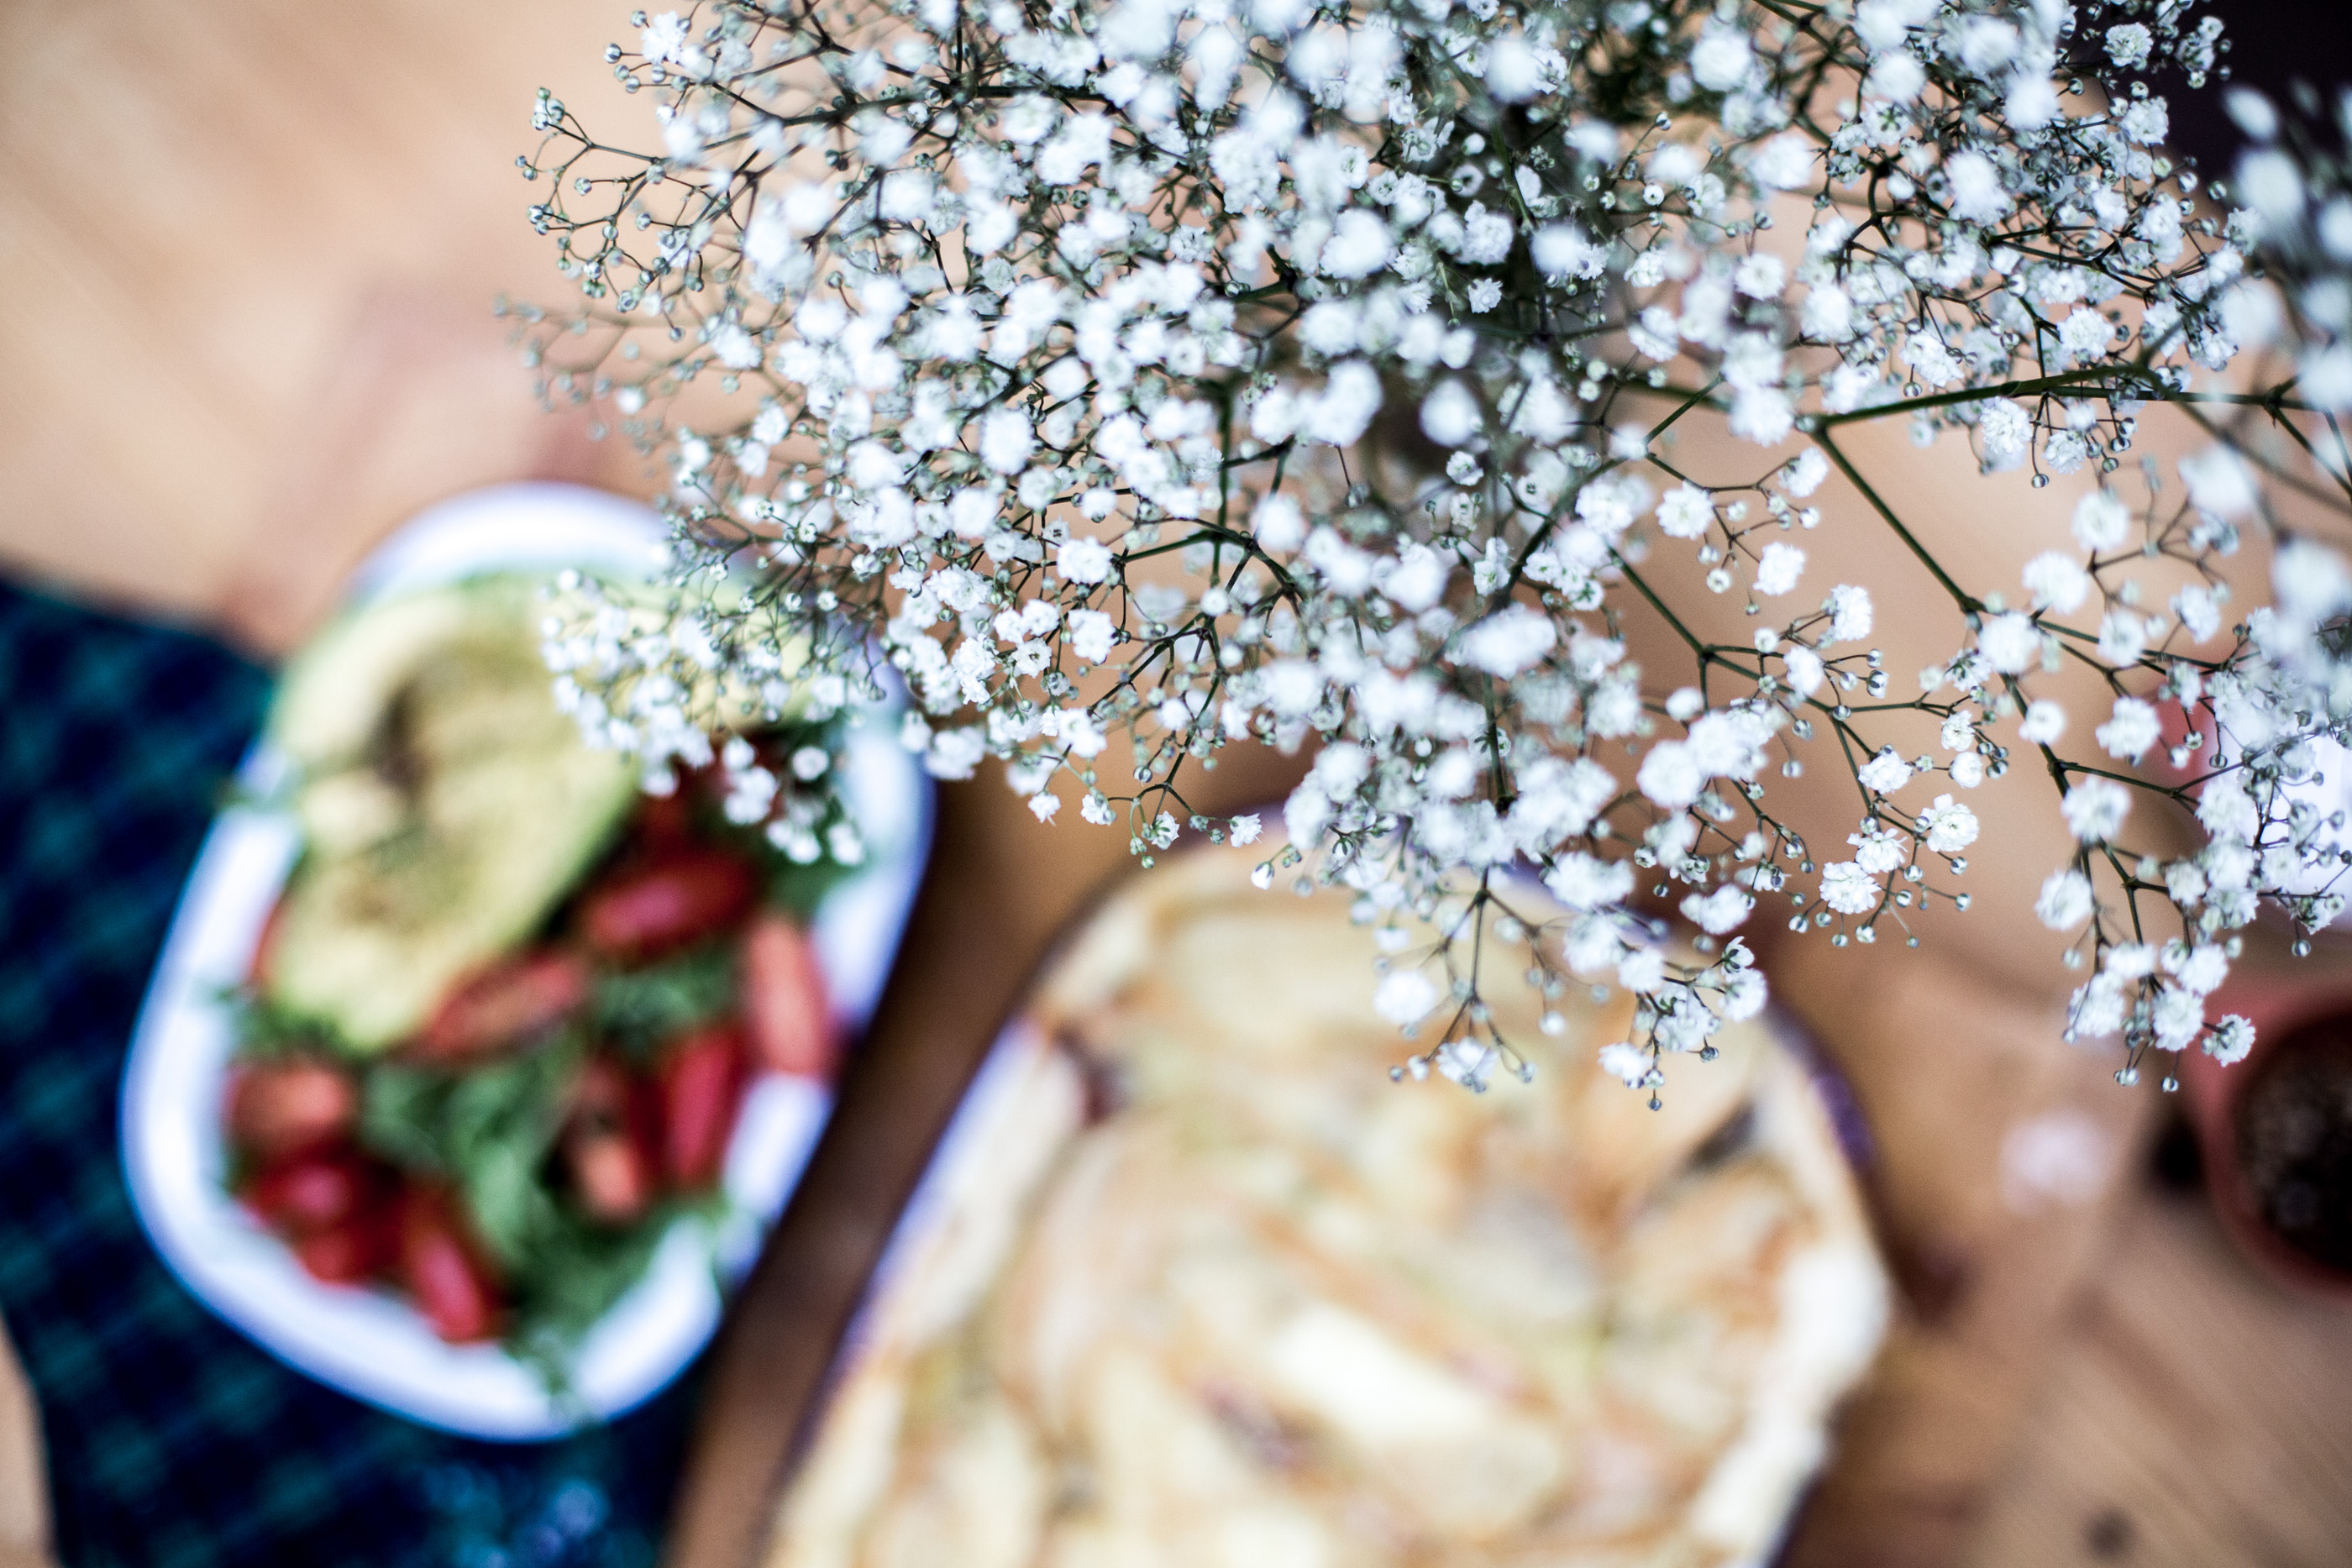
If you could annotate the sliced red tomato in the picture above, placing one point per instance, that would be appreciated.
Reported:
(610, 1144)
(365, 1247)
(452, 1287)
(659, 906)
(314, 1192)
(280, 1108)
(505, 1005)
(784, 1007)
(702, 1084)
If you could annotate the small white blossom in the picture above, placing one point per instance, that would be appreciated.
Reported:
(1686, 512)
(1950, 827)
(1848, 888)
(2102, 522)
(2010, 643)
(1624, 1063)
(2057, 581)
(1778, 568)
(2066, 900)
(2044, 724)
(1082, 559)
(1404, 996)
(2094, 810)
(2132, 731)
(1884, 773)
(1719, 911)
(2232, 1041)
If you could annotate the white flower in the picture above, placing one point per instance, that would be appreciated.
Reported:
(2043, 723)
(2132, 731)
(1403, 997)
(1744, 995)
(1778, 568)
(2094, 810)
(1720, 58)
(1277, 523)
(2065, 901)
(1360, 244)
(2123, 637)
(2178, 1018)
(2201, 970)
(1848, 888)
(2199, 611)
(1083, 559)
(1801, 477)
(2056, 580)
(1044, 805)
(1876, 852)
(1624, 1063)
(1514, 639)
(1006, 439)
(1449, 414)
(1243, 830)
(1561, 250)
(1804, 669)
(1884, 773)
(2232, 1041)
(1719, 911)
(1977, 194)
(2097, 1009)
(2102, 522)
(1848, 608)
(1670, 775)
(1585, 882)
(2220, 483)
(1090, 632)
(1642, 970)
(1950, 826)
(1344, 409)
(1968, 771)
(2009, 642)
(1686, 512)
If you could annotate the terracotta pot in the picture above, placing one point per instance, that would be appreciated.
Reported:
(2282, 1008)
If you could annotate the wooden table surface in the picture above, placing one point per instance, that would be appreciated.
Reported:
(246, 254)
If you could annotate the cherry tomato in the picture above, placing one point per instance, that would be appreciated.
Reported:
(504, 1005)
(365, 1247)
(667, 903)
(452, 1288)
(281, 1108)
(313, 1192)
(610, 1144)
(702, 1081)
(784, 1008)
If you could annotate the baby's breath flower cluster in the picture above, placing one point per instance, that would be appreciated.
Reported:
(1199, 372)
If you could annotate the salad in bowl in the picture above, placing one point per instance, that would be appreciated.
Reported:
(472, 1066)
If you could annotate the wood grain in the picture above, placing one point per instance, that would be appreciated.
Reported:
(246, 253)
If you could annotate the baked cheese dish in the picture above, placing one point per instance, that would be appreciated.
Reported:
(1196, 1285)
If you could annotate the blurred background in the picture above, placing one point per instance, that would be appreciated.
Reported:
(247, 258)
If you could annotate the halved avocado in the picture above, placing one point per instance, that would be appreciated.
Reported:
(447, 805)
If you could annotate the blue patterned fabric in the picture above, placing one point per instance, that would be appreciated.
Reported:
(172, 1440)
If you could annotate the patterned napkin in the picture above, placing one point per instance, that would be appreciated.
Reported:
(172, 1440)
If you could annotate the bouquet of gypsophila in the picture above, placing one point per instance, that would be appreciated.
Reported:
(1198, 372)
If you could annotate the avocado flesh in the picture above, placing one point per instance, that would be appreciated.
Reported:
(448, 806)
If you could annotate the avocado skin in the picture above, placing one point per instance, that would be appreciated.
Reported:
(447, 806)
